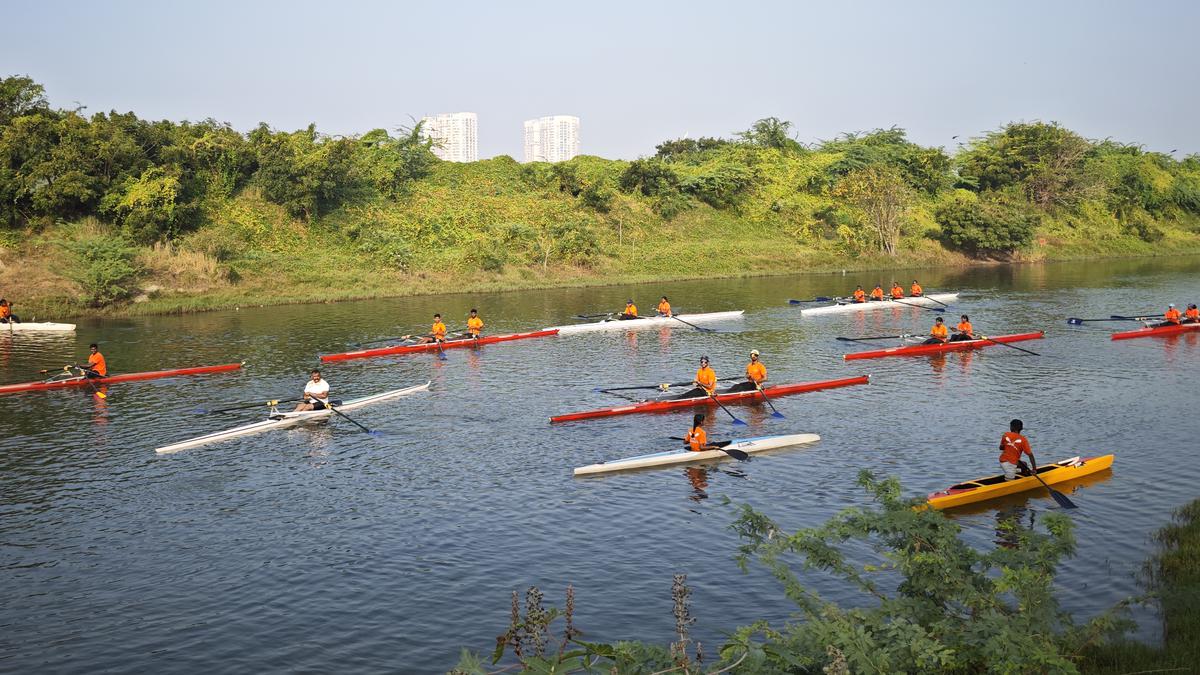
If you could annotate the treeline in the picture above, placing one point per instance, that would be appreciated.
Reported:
(157, 180)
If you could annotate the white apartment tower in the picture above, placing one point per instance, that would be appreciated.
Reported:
(551, 139)
(455, 133)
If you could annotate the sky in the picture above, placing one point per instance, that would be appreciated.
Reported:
(635, 73)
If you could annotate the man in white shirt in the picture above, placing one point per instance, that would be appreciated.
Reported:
(316, 394)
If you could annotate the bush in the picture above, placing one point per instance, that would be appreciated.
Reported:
(984, 228)
(107, 269)
(1143, 227)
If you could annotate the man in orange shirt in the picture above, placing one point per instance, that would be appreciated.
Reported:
(897, 292)
(474, 324)
(706, 380)
(1192, 315)
(664, 307)
(437, 332)
(756, 374)
(96, 366)
(915, 290)
(1171, 316)
(964, 330)
(860, 295)
(939, 334)
(1012, 446)
(877, 293)
(6, 315)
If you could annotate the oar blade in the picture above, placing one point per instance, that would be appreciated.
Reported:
(736, 454)
(1075, 322)
(778, 415)
(1062, 499)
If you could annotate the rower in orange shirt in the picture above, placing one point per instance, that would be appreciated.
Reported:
(860, 295)
(437, 332)
(963, 331)
(697, 438)
(6, 315)
(915, 290)
(877, 293)
(706, 378)
(474, 324)
(664, 307)
(756, 374)
(1192, 315)
(939, 334)
(897, 292)
(96, 365)
(1012, 446)
(1171, 317)
(630, 311)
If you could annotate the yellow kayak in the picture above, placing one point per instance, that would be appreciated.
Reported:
(981, 489)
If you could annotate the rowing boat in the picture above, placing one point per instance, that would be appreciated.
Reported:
(661, 404)
(280, 420)
(43, 327)
(61, 382)
(991, 487)
(1156, 331)
(845, 305)
(919, 350)
(433, 347)
(684, 456)
(613, 323)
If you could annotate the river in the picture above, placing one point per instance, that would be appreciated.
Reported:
(323, 548)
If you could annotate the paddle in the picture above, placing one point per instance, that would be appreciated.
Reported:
(344, 415)
(1149, 316)
(774, 413)
(272, 402)
(591, 316)
(702, 330)
(931, 300)
(932, 309)
(1079, 322)
(375, 342)
(819, 298)
(720, 445)
(877, 337)
(659, 386)
(736, 421)
(1059, 497)
(984, 337)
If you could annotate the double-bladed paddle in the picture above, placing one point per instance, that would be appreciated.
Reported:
(720, 445)
(819, 298)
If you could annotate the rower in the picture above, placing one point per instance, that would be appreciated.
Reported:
(860, 295)
(897, 292)
(474, 324)
(963, 331)
(877, 293)
(915, 290)
(437, 332)
(697, 438)
(1012, 446)
(316, 393)
(704, 384)
(6, 315)
(630, 311)
(1192, 315)
(756, 374)
(664, 307)
(1171, 317)
(96, 365)
(939, 334)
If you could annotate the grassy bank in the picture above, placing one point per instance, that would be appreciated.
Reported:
(1174, 577)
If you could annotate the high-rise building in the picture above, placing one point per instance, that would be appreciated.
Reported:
(551, 139)
(454, 135)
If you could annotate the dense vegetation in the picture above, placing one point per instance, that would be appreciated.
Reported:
(106, 208)
(930, 604)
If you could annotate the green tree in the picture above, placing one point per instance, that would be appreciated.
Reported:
(882, 198)
(307, 174)
(1046, 161)
(984, 228)
(107, 269)
(20, 96)
(771, 132)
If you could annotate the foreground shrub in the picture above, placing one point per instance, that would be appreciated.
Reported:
(106, 269)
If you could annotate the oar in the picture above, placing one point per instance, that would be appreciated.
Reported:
(591, 316)
(1079, 322)
(92, 385)
(774, 413)
(736, 421)
(931, 300)
(203, 411)
(659, 386)
(344, 415)
(932, 309)
(702, 330)
(819, 298)
(720, 445)
(877, 337)
(984, 337)
(1059, 497)
(441, 350)
(375, 342)
(1147, 317)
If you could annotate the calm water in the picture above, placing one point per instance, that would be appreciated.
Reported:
(325, 549)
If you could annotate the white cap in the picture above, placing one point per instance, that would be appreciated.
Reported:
(1171, 305)
(753, 352)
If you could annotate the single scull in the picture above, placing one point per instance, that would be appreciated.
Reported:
(981, 489)
(280, 420)
(919, 350)
(613, 323)
(61, 381)
(684, 456)
(433, 347)
(846, 305)
(658, 405)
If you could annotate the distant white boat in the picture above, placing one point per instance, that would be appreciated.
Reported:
(36, 326)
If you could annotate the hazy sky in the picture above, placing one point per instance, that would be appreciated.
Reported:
(636, 73)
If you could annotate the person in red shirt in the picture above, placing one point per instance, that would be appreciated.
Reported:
(96, 366)
(1192, 315)
(1012, 446)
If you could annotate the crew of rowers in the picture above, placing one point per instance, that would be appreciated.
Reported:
(940, 333)
(631, 311)
(437, 332)
(6, 315)
(705, 382)
(1173, 317)
(877, 294)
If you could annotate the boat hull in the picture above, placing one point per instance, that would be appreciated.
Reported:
(919, 350)
(982, 489)
(431, 347)
(672, 457)
(742, 396)
(113, 379)
(285, 420)
(930, 300)
(42, 327)
(646, 322)
(1160, 331)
